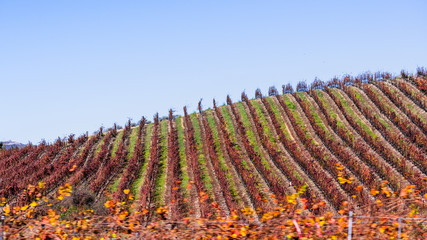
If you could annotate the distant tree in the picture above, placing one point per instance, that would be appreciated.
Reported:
(1, 145)
(272, 91)
(288, 88)
(302, 87)
(421, 71)
(258, 93)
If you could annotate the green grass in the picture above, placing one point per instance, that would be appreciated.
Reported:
(251, 136)
(313, 112)
(131, 149)
(229, 123)
(116, 144)
(298, 118)
(380, 119)
(132, 142)
(115, 184)
(262, 117)
(202, 161)
(230, 129)
(334, 115)
(220, 155)
(183, 159)
(100, 144)
(278, 116)
(140, 177)
(329, 108)
(161, 179)
(353, 115)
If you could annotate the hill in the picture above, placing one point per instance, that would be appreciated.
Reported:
(356, 142)
(11, 144)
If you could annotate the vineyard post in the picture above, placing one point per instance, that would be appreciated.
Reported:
(350, 225)
(399, 233)
(1, 227)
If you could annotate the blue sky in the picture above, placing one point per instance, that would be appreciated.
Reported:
(73, 66)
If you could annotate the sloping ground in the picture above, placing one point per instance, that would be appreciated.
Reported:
(343, 142)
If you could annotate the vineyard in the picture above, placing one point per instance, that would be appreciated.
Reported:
(354, 144)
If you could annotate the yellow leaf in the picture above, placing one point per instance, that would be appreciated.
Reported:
(126, 191)
(243, 231)
(34, 204)
(374, 192)
(24, 208)
(6, 209)
(51, 213)
(41, 184)
(110, 204)
(123, 215)
(60, 197)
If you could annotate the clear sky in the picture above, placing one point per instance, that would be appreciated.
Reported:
(73, 66)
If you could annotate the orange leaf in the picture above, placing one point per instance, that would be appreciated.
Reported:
(73, 168)
(374, 192)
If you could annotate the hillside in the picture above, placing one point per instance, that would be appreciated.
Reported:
(354, 140)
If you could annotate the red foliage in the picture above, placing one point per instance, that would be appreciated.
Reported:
(112, 166)
(279, 189)
(313, 167)
(412, 174)
(93, 163)
(134, 165)
(147, 188)
(174, 171)
(12, 184)
(231, 203)
(410, 129)
(297, 180)
(407, 149)
(193, 162)
(379, 165)
(235, 154)
(345, 156)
